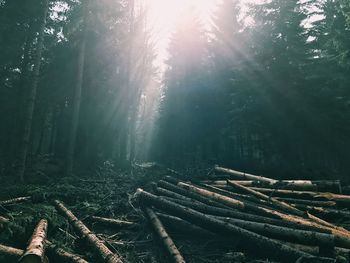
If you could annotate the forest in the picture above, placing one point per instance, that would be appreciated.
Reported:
(127, 124)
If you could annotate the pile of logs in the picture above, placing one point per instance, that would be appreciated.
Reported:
(285, 221)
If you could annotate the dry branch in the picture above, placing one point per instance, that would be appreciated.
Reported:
(35, 251)
(113, 222)
(64, 255)
(15, 200)
(93, 240)
(164, 237)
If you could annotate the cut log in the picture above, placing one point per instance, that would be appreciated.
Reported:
(15, 201)
(183, 192)
(35, 252)
(301, 185)
(245, 176)
(113, 222)
(250, 239)
(307, 202)
(338, 198)
(92, 239)
(322, 211)
(180, 225)
(234, 203)
(285, 233)
(64, 255)
(244, 216)
(10, 251)
(164, 237)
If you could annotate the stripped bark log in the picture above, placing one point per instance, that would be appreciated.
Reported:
(341, 233)
(92, 239)
(113, 222)
(274, 248)
(64, 255)
(164, 237)
(15, 201)
(35, 251)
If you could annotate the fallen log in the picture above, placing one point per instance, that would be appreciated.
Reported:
(35, 251)
(64, 255)
(3, 221)
(164, 237)
(10, 251)
(113, 222)
(59, 252)
(338, 198)
(322, 211)
(244, 216)
(284, 233)
(307, 202)
(301, 185)
(268, 246)
(245, 176)
(198, 197)
(15, 201)
(92, 239)
(234, 203)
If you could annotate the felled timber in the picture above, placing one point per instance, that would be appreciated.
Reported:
(245, 176)
(307, 202)
(35, 251)
(15, 201)
(285, 233)
(10, 251)
(64, 255)
(338, 198)
(3, 221)
(164, 237)
(112, 222)
(273, 248)
(301, 185)
(234, 203)
(322, 211)
(183, 192)
(93, 240)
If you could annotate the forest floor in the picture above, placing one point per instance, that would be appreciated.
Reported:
(107, 195)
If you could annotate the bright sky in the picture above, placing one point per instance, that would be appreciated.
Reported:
(165, 14)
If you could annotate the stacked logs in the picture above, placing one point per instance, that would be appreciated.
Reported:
(286, 221)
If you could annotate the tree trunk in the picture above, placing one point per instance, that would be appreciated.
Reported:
(35, 252)
(28, 118)
(77, 96)
(164, 237)
(113, 222)
(62, 254)
(252, 241)
(93, 240)
(10, 251)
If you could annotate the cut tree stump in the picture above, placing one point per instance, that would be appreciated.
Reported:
(164, 237)
(35, 252)
(85, 232)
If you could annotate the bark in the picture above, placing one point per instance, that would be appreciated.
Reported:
(196, 196)
(113, 222)
(278, 204)
(35, 251)
(234, 203)
(15, 200)
(77, 98)
(274, 248)
(164, 237)
(338, 198)
(92, 239)
(301, 185)
(28, 116)
(64, 255)
(245, 176)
